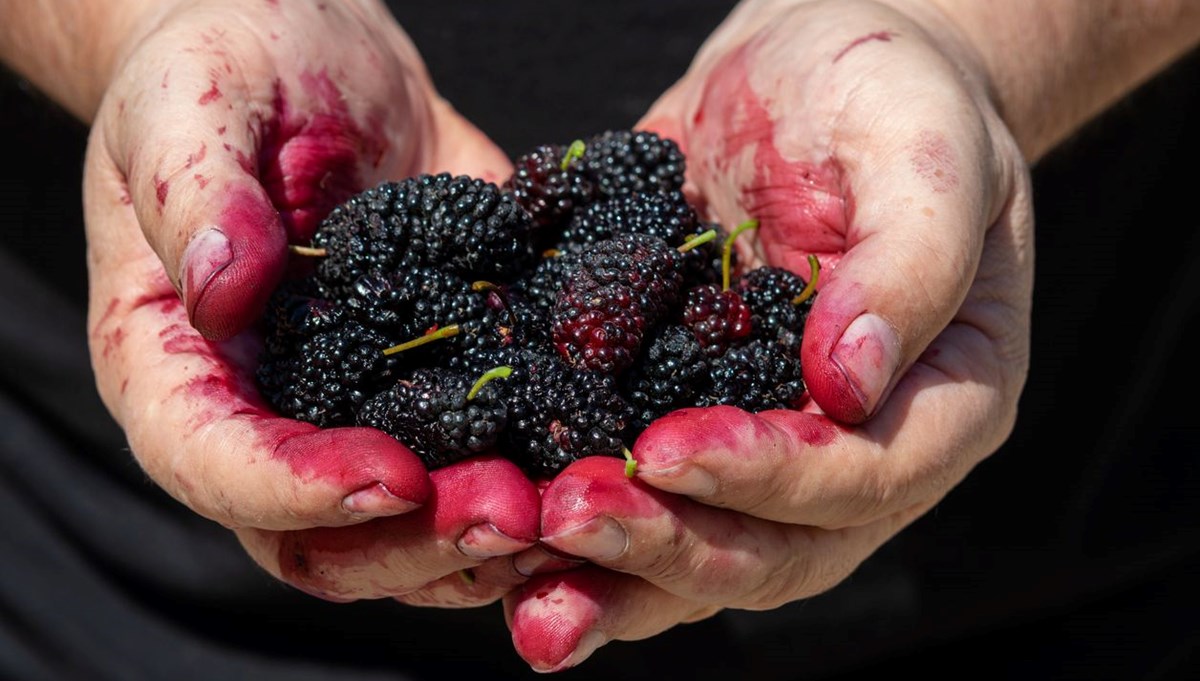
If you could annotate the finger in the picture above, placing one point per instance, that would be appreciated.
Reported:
(698, 552)
(559, 620)
(189, 150)
(481, 509)
(886, 172)
(194, 418)
(804, 468)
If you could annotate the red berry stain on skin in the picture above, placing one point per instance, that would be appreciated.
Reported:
(932, 159)
(554, 611)
(723, 432)
(166, 77)
(802, 206)
(823, 378)
(201, 180)
(221, 131)
(196, 156)
(487, 489)
(161, 187)
(597, 485)
(211, 95)
(113, 341)
(232, 290)
(884, 36)
(166, 300)
(309, 159)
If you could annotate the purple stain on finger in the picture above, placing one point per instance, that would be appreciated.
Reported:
(803, 206)
(883, 36)
(229, 270)
(212, 94)
(933, 160)
(310, 159)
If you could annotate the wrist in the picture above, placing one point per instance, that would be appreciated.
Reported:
(1050, 67)
(70, 51)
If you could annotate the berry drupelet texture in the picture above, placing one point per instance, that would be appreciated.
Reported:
(769, 292)
(666, 215)
(559, 414)
(327, 377)
(718, 319)
(429, 411)
(620, 162)
(667, 375)
(621, 287)
(757, 376)
(458, 223)
(546, 189)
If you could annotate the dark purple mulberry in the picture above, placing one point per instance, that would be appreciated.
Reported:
(428, 411)
(623, 162)
(757, 376)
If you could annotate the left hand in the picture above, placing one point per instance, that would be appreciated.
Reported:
(866, 136)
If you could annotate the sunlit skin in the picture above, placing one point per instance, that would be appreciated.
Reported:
(219, 143)
(871, 149)
(863, 133)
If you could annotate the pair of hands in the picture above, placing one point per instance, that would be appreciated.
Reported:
(848, 129)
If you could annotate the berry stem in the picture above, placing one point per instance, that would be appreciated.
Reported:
(481, 285)
(573, 152)
(727, 251)
(814, 267)
(498, 372)
(630, 463)
(308, 251)
(698, 240)
(444, 332)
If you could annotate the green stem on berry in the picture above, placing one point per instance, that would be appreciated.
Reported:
(467, 576)
(444, 332)
(498, 372)
(727, 251)
(573, 152)
(698, 240)
(814, 267)
(309, 251)
(630, 463)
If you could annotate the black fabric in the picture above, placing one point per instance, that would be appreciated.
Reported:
(1071, 553)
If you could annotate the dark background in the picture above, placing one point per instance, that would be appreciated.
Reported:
(1071, 553)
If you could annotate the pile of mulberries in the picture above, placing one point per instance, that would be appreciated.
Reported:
(547, 318)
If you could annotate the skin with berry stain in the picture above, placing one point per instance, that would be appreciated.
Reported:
(228, 129)
(913, 354)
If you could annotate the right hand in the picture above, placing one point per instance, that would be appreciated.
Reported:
(228, 130)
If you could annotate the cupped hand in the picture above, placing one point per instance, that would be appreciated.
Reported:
(864, 134)
(228, 131)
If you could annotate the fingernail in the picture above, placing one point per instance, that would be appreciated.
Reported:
(588, 644)
(485, 540)
(539, 560)
(868, 355)
(684, 478)
(376, 500)
(600, 538)
(208, 254)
